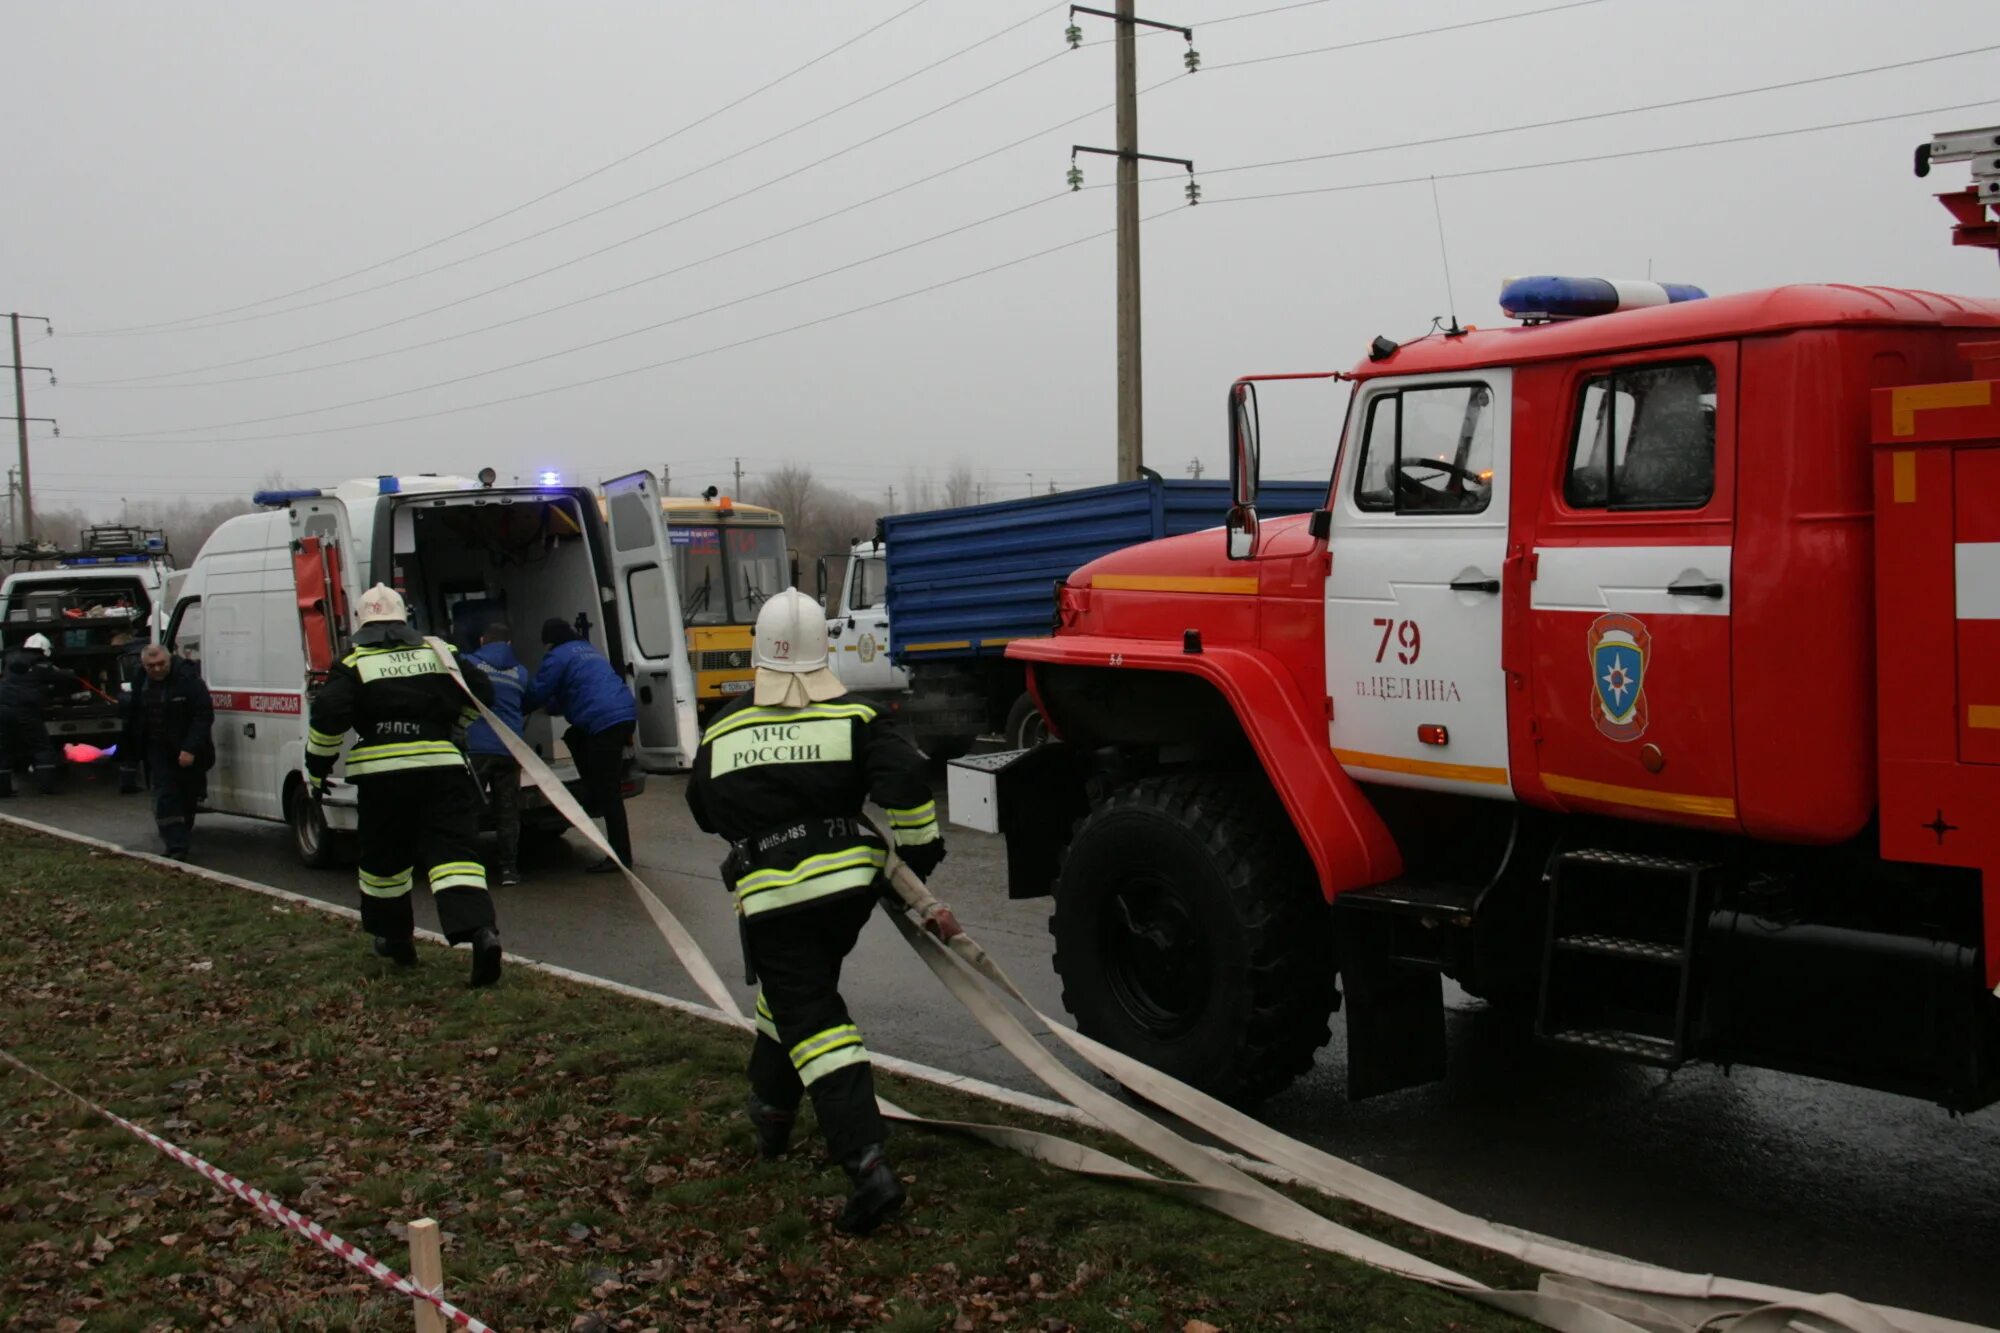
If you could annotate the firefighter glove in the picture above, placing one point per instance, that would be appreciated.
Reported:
(923, 858)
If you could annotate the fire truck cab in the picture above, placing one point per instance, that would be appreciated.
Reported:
(1642, 671)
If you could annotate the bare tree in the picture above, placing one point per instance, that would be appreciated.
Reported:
(961, 485)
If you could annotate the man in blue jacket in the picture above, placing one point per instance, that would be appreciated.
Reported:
(575, 681)
(496, 770)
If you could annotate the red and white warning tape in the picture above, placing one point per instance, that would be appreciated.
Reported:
(268, 1205)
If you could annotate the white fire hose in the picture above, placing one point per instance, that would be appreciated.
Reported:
(1579, 1291)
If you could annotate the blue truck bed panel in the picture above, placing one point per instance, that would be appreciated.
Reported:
(965, 582)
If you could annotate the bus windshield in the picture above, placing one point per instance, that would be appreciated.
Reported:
(728, 572)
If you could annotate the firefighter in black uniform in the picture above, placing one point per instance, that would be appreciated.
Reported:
(782, 775)
(418, 802)
(27, 686)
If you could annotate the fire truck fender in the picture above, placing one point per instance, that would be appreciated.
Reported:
(1347, 840)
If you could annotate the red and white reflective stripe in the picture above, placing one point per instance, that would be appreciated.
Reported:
(258, 701)
(269, 1206)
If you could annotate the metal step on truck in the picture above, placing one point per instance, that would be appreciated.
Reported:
(926, 609)
(1639, 670)
(99, 603)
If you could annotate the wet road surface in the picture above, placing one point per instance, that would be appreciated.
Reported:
(1753, 1175)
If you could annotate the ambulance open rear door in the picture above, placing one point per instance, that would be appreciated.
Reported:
(649, 614)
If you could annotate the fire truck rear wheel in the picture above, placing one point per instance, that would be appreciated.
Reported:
(1190, 934)
(1025, 728)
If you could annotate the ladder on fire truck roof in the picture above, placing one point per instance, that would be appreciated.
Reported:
(1976, 208)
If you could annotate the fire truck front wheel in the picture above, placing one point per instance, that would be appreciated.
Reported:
(1190, 934)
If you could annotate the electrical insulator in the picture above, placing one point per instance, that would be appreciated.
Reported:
(1075, 177)
(1193, 191)
(1074, 35)
(1192, 59)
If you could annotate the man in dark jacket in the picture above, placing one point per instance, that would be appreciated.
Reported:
(27, 686)
(418, 801)
(575, 682)
(782, 775)
(496, 770)
(168, 721)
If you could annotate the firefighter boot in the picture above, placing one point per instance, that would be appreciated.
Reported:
(486, 956)
(877, 1192)
(772, 1125)
(403, 952)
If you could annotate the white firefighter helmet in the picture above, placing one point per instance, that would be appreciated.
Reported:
(790, 653)
(38, 643)
(382, 602)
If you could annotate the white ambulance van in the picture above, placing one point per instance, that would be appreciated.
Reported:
(268, 606)
(99, 604)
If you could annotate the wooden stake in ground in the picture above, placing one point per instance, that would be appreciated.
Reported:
(427, 1271)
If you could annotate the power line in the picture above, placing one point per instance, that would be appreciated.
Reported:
(1601, 115)
(141, 329)
(650, 190)
(140, 381)
(1039, 254)
(545, 195)
(1404, 36)
(1604, 157)
(610, 338)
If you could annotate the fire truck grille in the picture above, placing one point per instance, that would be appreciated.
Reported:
(728, 659)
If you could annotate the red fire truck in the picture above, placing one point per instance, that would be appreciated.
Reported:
(1642, 671)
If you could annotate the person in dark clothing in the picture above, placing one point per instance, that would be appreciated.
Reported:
(495, 769)
(168, 723)
(576, 682)
(27, 686)
(418, 800)
(782, 775)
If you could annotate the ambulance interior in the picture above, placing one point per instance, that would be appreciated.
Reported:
(464, 561)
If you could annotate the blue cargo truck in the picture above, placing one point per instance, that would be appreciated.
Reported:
(927, 609)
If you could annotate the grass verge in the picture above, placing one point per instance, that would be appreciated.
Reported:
(584, 1154)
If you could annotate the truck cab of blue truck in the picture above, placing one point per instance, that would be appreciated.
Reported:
(926, 610)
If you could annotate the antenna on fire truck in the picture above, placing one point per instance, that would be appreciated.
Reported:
(1450, 297)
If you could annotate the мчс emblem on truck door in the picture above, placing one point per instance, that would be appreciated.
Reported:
(1619, 647)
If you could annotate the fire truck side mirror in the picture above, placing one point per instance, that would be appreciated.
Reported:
(1243, 445)
(1241, 527)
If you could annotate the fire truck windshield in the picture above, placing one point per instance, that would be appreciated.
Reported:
(728, 571)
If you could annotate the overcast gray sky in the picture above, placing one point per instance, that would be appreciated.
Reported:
(166, 162)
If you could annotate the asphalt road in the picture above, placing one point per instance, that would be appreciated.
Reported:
(1754, 1175)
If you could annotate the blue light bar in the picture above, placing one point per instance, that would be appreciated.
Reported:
(273, 499)
(1546, 297)
(548, 478)
(388, 485)
(80, 561)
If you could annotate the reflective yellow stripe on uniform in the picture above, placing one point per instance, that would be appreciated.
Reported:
(814, 877)
(365, 759)
(822, 1053)
(914, 826)
(458, 875)
(385, 886)
(752, 717)
(467, 716)
(322, 743)
(766, 1024)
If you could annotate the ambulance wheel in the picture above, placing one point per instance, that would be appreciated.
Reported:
(315, 843)
(1190, 934)
(1026, 727)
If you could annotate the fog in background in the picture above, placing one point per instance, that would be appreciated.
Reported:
(167, 163)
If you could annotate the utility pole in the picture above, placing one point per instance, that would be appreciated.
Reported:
(892, 499)
(12, 528)
(666, 479)
(739, 478)
(21, 419)
(1131, 423)
(1031, 483)
(1195, 468)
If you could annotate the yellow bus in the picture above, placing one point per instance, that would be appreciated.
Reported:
(732, 557)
